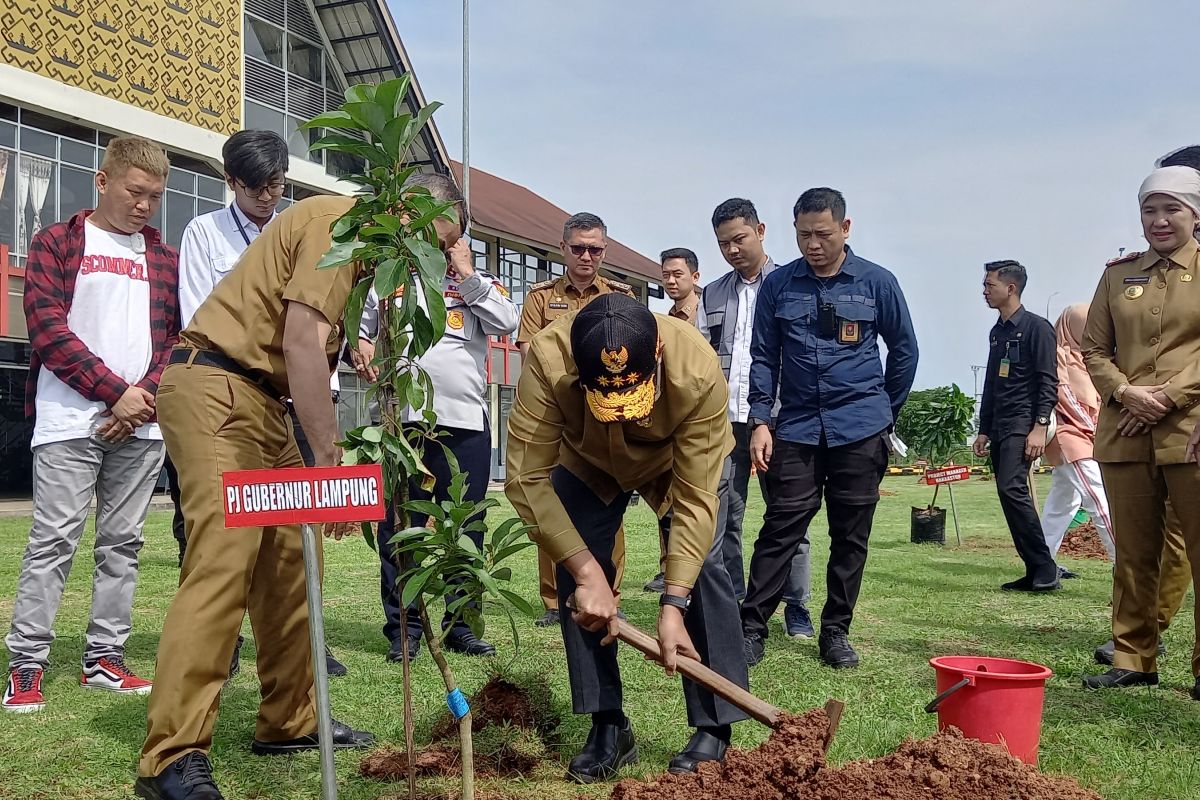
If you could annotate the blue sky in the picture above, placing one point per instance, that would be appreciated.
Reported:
(960, 132)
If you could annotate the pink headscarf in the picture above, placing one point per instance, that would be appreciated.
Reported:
(1071, 369)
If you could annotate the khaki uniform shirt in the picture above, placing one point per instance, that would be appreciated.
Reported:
(1144, 329)
(549, 300)
(243, 317)
(673, 458)
(688, 312)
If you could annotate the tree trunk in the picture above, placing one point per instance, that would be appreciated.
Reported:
(464, 724)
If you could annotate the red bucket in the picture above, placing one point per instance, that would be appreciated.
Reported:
(994, 700)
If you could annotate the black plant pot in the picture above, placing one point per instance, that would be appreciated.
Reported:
(928, 525)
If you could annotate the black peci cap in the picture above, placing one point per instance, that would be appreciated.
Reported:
(615, 343)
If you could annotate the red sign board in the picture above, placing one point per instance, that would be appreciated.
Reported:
(937, 477)
(300, 495)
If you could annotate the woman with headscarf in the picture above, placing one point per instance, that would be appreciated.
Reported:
(1141, 345)
(1077, 482)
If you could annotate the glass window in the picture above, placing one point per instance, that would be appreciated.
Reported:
(37, 200)
(8, 112)
(16, 309)
(264, 41)
(207, 207)
(37, 142)
(178, 211)
(74, 152)
(259, 117)
(181, 181)
(514, 366)
(8, 198)
(299, 141)
(76, 191)
(211, 188)
(496, 358)
(8, 134)
(304, 59)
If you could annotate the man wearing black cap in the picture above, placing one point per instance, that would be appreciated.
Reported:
(616, 400)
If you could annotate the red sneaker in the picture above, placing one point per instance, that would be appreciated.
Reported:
(23, 693)
(112, 675)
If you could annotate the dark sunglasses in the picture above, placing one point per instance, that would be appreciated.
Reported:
(579, 249)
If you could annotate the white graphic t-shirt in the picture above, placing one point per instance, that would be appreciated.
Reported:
(110, 313)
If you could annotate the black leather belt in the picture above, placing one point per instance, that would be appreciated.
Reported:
(211, 358)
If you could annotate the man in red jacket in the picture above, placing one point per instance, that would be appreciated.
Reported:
(100, 302)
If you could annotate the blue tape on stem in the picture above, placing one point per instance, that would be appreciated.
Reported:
(457, 702)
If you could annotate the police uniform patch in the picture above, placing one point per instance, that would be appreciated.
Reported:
(1133, 292)
(849, 332)
(500, 287)
(455, 320)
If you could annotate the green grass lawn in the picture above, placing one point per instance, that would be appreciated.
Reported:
(917, 602)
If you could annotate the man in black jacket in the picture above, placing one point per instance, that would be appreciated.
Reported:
(1019, 394)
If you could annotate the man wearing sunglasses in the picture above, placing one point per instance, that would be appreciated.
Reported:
(255, 164)
(583, 245)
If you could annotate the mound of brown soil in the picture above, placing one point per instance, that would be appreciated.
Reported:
(790, 765)
(391, 764)
(502, 702)
(1083, 542)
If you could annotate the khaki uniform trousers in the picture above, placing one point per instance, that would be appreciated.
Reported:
(1175, 575)
(547, 587)
(223, 422)
(1151, 573)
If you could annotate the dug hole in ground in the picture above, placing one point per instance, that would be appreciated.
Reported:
(513, 725)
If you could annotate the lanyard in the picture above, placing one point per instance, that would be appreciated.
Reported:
(238, 223)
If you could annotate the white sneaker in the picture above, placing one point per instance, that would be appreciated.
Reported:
(112, 675)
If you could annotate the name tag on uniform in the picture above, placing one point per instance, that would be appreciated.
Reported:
(1004, 365)
(849, 332)
(557, 306)
(1137, 279)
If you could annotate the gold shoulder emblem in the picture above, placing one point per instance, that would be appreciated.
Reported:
(614, 360)
(1125, 259)
(624, 288)
(537, 287)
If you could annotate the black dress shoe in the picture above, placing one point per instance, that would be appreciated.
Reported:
(186, 778)
(608, 748)
(396, 653)
(333, 667)
(703, 746)
(344, 738)
(547, 619)
(1019, 585)
(754, 648)
(1196, 690)
(836, 651)
(656, 584)
(461, 640)
(1120, 679)
(1104, 653)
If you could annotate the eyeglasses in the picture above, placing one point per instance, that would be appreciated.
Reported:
(579, 249)
(273, 189)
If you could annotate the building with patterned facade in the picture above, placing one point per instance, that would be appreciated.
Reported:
(187, 73)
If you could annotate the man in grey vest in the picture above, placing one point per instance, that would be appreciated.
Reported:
(726, 318)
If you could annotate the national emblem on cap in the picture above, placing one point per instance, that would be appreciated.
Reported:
(614, 340)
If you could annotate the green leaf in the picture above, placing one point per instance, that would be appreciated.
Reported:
(340, 253)
(360, 93)
(422, 118)
(414, 585)
(368, 535)
(387, 277)
(392, 95)
(427, 507)
(330, 119)
(395, 138)
(519, 603)
(344, 227)
(430, 259)
(354, 310)
(369, 115)
(510, 551)
(372, 433)
(341, 143)
(389, 221)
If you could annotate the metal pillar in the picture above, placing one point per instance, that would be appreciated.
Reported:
(316, 635)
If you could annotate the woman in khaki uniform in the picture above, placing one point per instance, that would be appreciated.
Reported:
(1142, 348)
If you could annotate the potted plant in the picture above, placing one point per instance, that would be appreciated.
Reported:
(389, 231)
(935, 423)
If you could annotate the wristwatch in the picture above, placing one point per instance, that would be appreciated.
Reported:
(682, 603)
(1043, 420)
(1120, 392)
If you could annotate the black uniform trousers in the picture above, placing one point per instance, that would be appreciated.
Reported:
(711, 621)
(1011, 470)
(473, 450)
(848, 476)
(177, 529)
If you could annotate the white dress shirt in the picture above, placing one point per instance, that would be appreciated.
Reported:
(743, 332)
(212, 244)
